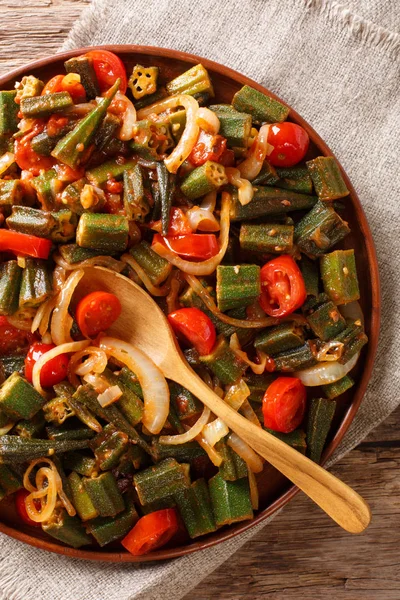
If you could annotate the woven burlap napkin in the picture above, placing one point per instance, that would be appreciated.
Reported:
(338, 65)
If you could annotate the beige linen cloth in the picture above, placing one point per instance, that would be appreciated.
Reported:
(338, 65)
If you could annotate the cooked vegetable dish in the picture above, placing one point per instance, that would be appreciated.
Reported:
(222, 214)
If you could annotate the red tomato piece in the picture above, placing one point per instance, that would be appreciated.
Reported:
(227, 158)
(178, 223)
(108, 67)
(290, 142)
(53, 85)
(196, 327)
(56, 124)
(199, 246)
(12, 340)
(151, 532)
(284, 404)
(96, 312)
(27, 159)
(282, 287)
(23, 244)
(207, 147)
(53, 372)
(21, 508)
(74, 88)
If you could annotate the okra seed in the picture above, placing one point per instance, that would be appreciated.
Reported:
(345, 270)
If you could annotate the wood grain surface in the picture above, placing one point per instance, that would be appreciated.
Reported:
(301, 554)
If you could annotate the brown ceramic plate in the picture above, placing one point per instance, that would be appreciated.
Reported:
(275, 490)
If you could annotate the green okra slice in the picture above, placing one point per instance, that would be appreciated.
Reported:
(295, 178)
(177, 123)
(319, 422)
(105, 134)
(36, 283)
(237, 285)
(310, 272)
(135, 202)
(30, 428)
(353, 339)
(160, 481)
(8, 112)
(327, 178)
(19, 399)
(281, 338)
(80, 498)
(152, 139)
(320, 229)
(333, 390)
(109, 529)
(47, 185)
(74, 407)
(267, 176)
(151, 98)
(15, 449)
(72, 253)
(325, 319)
(69, 431)
(257, 385)
(224, 363)
(29, 86)
(268, 201)
(83, 66)
(10, 283)
(296, 438)
(10, 479)
(195, 80)
(43, 143)
(130, 405)
(44, 106)
(57, 410)
(202, 180)
(31, 221)
(13, 363)
(65, 225)
(156, 267)
(108, 447)
(230, 500)
(261, 107)
(66, 529)
(194, 506)
(339, 276)
(143, 81)
(114, 169)
(235, 126)
(266, 238)
(105, 232)
(186, 405)
(71, 148)
(11, 194)
(232, 467)
(166, 186)
(183, 452)
(80, 463)
(104, 493)
(295, 359)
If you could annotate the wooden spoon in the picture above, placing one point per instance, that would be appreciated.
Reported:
(143, 324)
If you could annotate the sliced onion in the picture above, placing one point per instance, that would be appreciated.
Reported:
(209, 201)
(251, 458)
(352, 311)
(237, 394)
(254, 495)
(23, 318)
(205, 267)
(330, 351)
(62, 349)
(99, 383)
(207, 119)
(213, 455)
(110, 395)
(154, 386)
(97, 261)
(129, 118)
(59, 276)
(248, 412)
(326, 372)
(257, 368)
(214, 431)
(244, 187)
(190, 133)
(251, 166)
(6, 161)
(6, 428)
(61, 321)
(141, 273)
(96, 361)
(202, 219)
(190, 434)
(80, 110)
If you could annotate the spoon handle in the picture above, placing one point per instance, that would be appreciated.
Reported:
(336, 498)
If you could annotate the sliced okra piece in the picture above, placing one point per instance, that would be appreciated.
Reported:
(261, 107)
(31, 221)
(296, 179)
(72, 430)
(187, 406)
(80, 463)
(10, 283)
(339, 276)
(129, 404)
(83, 66)
(44, 106)
(57, 410)
(19, 399)
(72, 253)
(266, 238)
(353, 339)
(177, 122)
(115, 169)
(10, 479)
(320, 229)
(28, 87)
(232, 467)
(143, 81)
(333, 390)
(80, 498)
(151, 98)
(195, 508)
(108, 447)
(160, 481)
(202, 180)
(281, 338)
(8, 112)
(152, 139)
(319, 422)
(36, 283)
(269, 201)
(105, 134)
(43, 143)
(15, 449)
(135, 202)
(224, 363)
(230, 500)
(13, 363)
(166, 185)
(234, 126)
(310, 272)
(156, 267)
(105, 232)
(257, 385)
(129, 380)
(267, 176)
(47, 185)
(11, 194)
(66, 393)
(325, 320)
(104, 493)
(195, 80)
(237, 285)
(327, 178)
(66, 529)
(184, 452)
(295, 359)
(30, 428)
(109, 529)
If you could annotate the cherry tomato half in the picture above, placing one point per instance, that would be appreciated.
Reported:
(108, 67)
(290, 142)
(21, 508)
(64, 83)
(207, 147)
(198, 246)
(53, 372)
(96, 312)
(178, 223)
(282, 287)
(53, 85)
(284, 404)
(196, 327)
(12, 340)
(27, 159)
(151, 532)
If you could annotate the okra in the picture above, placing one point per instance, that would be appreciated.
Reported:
(333, 390)
(151, 98)
(10, 479)
(66, 393)
(281, 338)
(112, 169)
(160, 481)
(187, 406)
(166, 185)
(13, 363)
(72, 430)
(11, 194)
(109, 529)
(80, 498)
(43, 143)
(267, 176)
(177, 122)
(232, 467)
(156, 267)
(10, 283)
(310, 273)
(15, 449)
(105, 232)
(274, 239)
(31, 221)
(130, 405)
(230, 500)
(320, 229)
(38, 107)
(36, 283)
(30, 428)
(71, 149)
(257, 385)
(83, 66)
(339, 276)
(261, 107)
(66, 529)
(143, 81)
(353, 338)
(152, 139)
(296, 179)
(327, 178)
(19, 399)
(319, 422)
(237, 285)
(325, 319)
(29, 86)
(135, 202)
(182, 453)
(108, 447)
(295, 359)
(234, 126)
(195, 80)
(269, 201)
(194, 506)
(104, 493)
(202, 180)
(80, 463)
(106, 132)
(72, 253)
(224, 363)
(47, 185)
(8, 112)
(296, 439)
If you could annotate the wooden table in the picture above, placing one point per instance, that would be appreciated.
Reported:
(301, 555)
